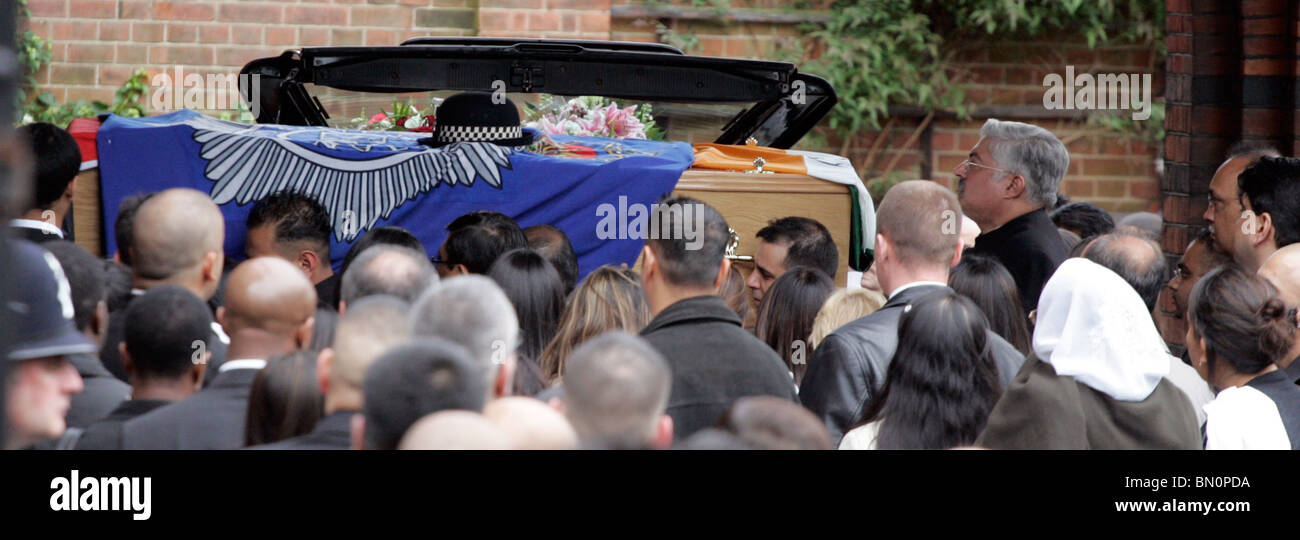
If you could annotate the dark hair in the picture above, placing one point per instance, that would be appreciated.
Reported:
(387, 269)
(787, 312)
(117, 285)
(285, 400)
(322, 331)
(537, 293)
(413, 380)
(1143, 268)
(551, 242)
(124, 224)
(988, 284)
(476, 240)
(297, 217)
(1084, 217)
(1273, 186)
(1241, 318)
(810, 244)
(942, 381)
(386, 235)
(161, 329)
(683, 266)
(85, 275)
(57, 157)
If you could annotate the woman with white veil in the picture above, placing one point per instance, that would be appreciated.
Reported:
(1097, 375)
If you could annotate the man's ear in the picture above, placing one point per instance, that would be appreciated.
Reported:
(199, 370)
(99, 322)
(649, 262)
(303, 334)
(324, 363)
(358, 432)
(459, 270)
(1265, 231)
(1015, 187)
(663, 437)
(505, 377)
(308, 262)
(212, 266)
(128, 364)
(722, 274)
(884, 249)
(221, 319)
(343, 307)
(956, 254)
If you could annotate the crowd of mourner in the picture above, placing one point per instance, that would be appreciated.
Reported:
(1031, 324)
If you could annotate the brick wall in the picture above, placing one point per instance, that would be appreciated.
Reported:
(1232, 70)
(98, 43)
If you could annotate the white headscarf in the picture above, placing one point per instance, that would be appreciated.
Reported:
(1093, 326)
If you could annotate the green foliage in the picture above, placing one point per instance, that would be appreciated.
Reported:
(127, 101)
(34, 53)
(1098, 21)
(880, 53)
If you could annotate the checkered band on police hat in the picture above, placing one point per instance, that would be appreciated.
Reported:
(478, 133)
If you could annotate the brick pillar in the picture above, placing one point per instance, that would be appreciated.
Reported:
(1231, 76)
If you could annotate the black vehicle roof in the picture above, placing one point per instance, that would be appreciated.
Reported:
(786, 104)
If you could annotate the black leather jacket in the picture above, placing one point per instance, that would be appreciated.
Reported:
(849, 366)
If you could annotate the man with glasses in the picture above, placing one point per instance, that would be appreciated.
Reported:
(1006, 185)
(1224, 209)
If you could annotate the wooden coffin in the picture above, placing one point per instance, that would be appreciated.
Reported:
(749, 201)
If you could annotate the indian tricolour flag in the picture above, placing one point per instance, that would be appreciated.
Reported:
(828, 167)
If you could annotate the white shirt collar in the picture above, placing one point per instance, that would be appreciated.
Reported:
(245, 363)
(39, 225)
(914, 284)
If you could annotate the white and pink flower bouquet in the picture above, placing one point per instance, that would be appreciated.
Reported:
(593, 116)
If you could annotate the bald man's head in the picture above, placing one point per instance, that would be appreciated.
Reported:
(176, 233)
(269, 295)
(1135, 257)
(454, 430)
(1282, 269)
(531, 424)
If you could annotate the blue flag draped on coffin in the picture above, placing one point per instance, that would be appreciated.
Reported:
(367, 179)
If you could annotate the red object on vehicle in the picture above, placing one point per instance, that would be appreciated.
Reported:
(83, 130)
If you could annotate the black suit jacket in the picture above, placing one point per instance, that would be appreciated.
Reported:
(212, 419)
(327, 292)
(334, 432)
(1031, 249)
(714, 362)
(849, 366)
(106, 434)
(101, 394)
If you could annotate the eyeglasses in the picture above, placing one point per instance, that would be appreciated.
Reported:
(969, 163)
